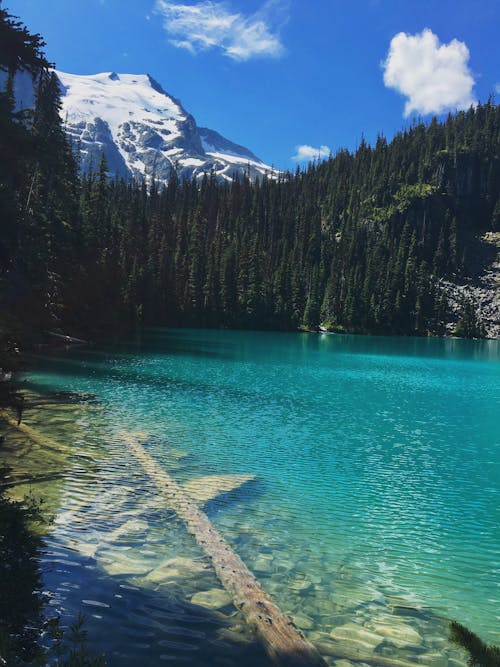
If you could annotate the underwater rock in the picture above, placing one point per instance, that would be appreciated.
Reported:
(147, 552)
(303, 622)
(236, 634)
(432, 660)
(300, 585)
(176, 568)
(402, 602)
(203, 489)
(125, 566)
(359, 597)
(453, 662)
(400, 635)
(324, 643)
(133, 526)
(357, 636)
(178, 454)
(215, 598)
(114, 497)
(263, 563)
(87, 549)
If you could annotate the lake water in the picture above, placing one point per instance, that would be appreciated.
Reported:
(373, 518)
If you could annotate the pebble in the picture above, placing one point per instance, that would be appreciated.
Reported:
(324, 644)
(263, 564)
(131, 527)
(176, 568)
(453, 662)
(399, 634)
(300, 585)
(357, 633)
(402, 602)
(235, 635)
(126, 566)
(215, 598)
(432, 660)
(178, 454)
(303, 622)
(87, 549)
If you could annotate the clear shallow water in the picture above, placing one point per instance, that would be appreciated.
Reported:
(376, 500)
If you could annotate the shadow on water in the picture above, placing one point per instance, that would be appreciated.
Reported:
(400, 346)
(106, 369)
(177, 342)
(242, 497)
(139, 626)
(235, 344)
(146, 625)
(136, 626)
(75, 367)
(239, 347)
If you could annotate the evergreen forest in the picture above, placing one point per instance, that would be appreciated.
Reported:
(357, 243)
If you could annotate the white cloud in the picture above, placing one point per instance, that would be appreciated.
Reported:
(307, 153)
(434, 77)
(207, 25)
(497, 88)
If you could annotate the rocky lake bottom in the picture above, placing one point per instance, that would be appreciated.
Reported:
(330, 464)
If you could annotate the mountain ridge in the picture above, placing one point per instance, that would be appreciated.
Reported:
(145, 132)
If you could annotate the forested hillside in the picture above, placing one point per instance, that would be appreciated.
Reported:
(357, 243)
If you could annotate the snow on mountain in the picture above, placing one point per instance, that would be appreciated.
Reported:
(143, 131)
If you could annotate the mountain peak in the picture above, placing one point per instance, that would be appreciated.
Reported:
(144, 131)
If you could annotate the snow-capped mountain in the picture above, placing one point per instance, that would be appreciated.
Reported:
(142, 130)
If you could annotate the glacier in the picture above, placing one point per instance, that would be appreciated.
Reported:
(144, 132)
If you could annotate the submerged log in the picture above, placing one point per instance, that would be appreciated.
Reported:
(283, 641)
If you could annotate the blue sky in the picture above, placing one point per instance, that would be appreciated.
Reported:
(286, 78)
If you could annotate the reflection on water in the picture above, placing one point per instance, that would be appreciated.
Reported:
(373, 516)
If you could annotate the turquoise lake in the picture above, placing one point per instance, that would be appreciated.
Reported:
(375, 503)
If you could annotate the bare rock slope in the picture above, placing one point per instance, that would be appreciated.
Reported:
(482, 289)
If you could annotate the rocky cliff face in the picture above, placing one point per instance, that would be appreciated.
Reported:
(145, 132)
(481, 288)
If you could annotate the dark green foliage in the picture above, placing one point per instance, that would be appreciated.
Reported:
(21, 601)
(20, 581)
(468, 325)
(38, 185)
(70, 648)
(10, 361)
(480, 654)
(357, 243)
(18, 47)
(10, 333)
